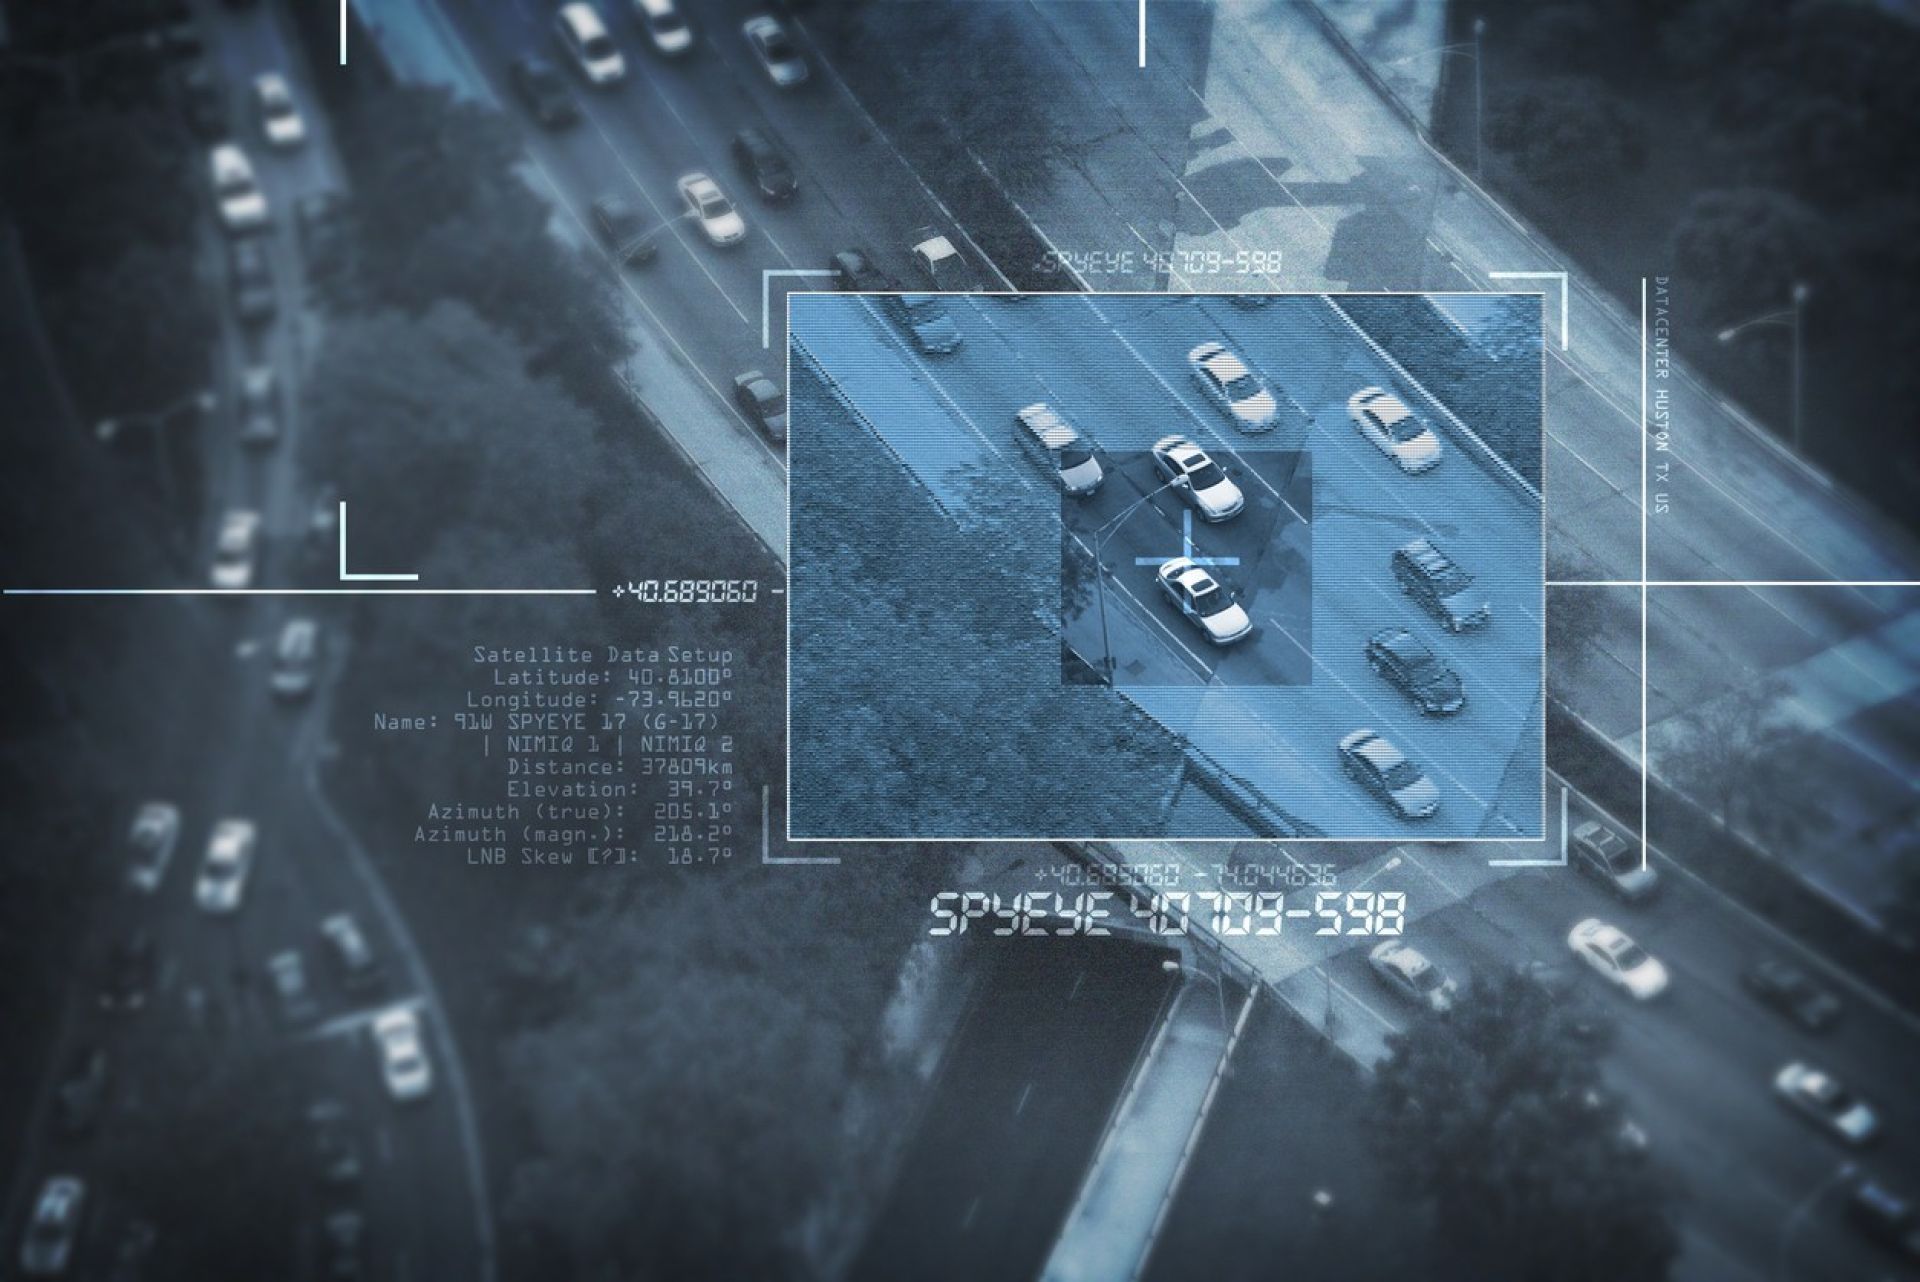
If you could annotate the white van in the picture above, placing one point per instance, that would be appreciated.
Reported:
(665, 25)
(586, 41)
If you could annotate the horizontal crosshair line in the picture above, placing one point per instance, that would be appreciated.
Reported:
(1733, 583)
(299, 591)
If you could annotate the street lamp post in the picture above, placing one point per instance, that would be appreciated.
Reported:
(1789, 318)
(1465, 49)
(108, 430)
(1100, 538)
(1782, 1264)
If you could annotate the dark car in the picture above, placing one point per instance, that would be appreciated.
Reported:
(1885, 1218)
(1404, 659)
(764, 164)
(132, 964)
(251, 281)
(81, 1095)
(336, 1153)
(1789, 990)
(760, 399)
(343, 1246)
(203, 101)
(1566, 988)
(543, 90)
(852, 273)
(623, 228)
(1603, 854)
(350, 955)
(1440, 586)
(925, 317)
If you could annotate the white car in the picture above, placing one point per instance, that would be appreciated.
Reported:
(1383, 770)
(279, 119)
(1384, 419)
(1058, 447)
(1619, 960)
(259, 405)
(1205, 600)
(1226, 381)
(223, 874)
(243, 206)
(46, 1248)
(296, 658)
(1826, 1103)
(665, 25)
(150, 842)
(584, 36)
(1207, 489)
(785, 65)
(719, 221)
(235, 549)
(403, 1056)
(1406, 970)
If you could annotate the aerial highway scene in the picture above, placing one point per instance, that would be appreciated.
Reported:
(1063, 640)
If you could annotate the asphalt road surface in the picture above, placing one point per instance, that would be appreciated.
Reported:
(1042, 1053)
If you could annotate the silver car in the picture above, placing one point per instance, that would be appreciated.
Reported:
(1226, 381)
(1058, 446)
(1191, 471)
(1209, 603)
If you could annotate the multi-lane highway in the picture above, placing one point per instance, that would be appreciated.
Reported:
(1274, 707)
(223, 746)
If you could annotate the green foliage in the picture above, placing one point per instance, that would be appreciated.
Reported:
(443, 213)
(133, 330)
(689, 1074)
(1495, 1116)
(969, 596)
(1568, 136)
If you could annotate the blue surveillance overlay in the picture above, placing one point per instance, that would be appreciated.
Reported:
(1166, 566)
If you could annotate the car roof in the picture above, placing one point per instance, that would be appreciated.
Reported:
(1380, 752)
(934, 243)
(1388, 408)
(1224, 364)
(1193, 577)
(656, 8)
(1425, 554)
(1402, 643)
(583, 18)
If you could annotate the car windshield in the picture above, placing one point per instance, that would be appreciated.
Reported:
(278, 106)
(597, 47)
(1401, 775)
(713, 205)
(1206, 476)
(1404, 428)
(668, 24)
(1211, 599)
(1631, 956)
(1243, 388)
(1074, 456)
(778, 49)
(1427, 978)
(1452, 581)
(924, 309)
(771, 401)
(234, 183)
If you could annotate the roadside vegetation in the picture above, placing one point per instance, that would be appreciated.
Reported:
(680, 1070)
(1742, 150)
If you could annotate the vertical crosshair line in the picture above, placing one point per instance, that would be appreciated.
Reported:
(1646, 744)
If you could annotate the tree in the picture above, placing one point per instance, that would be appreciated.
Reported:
(1576, 616)
(134, 332)
(1569, 136)
(1497, 1118)
(1722, 745)
(1739, 250)
(689, 1101)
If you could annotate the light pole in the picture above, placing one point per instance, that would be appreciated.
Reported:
(1464, 49)
(1100, 537)
(1792, 1223)
(108, 430)
(1788, 318)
